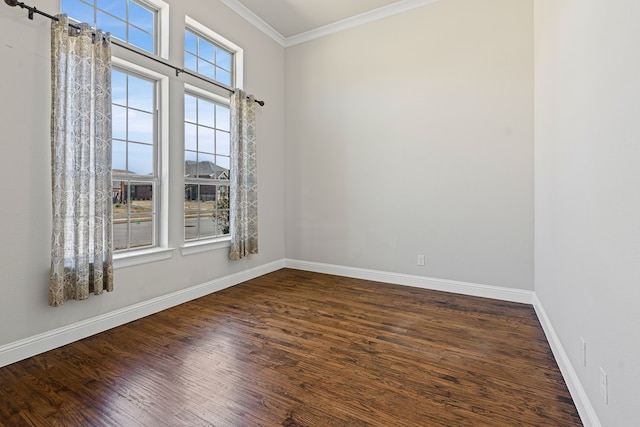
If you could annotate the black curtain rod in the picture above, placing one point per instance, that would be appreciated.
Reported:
(31, 10)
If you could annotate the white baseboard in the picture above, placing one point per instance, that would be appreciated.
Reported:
(41, 343)
(580, 398)
(473, 289)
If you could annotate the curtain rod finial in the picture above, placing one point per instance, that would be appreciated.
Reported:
(11, 2)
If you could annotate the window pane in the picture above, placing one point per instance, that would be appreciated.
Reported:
(117, 8)
(120, 215)
(118, 88)
(222, 210)
(141, 215)
(119, 155)
(224, 162)
(206, 50)
(223, 59)
(190, 161)
(191, 156)
(141, 17)
(119, 122)
(78, 10)
(223, 197)
(206, 68)
(120, 232)
(190, 42)
(141, 94)
(141, 39)
(223, 118)
(190, 62)
(207, 194)
(191, 194)
(223, 76)
(206, 165)
(206, 113)
(115, 26)
(222, 222)
(140, 195)
(190, 111)
(206, 140)
(140, 126)
(140, 233)
(190, 137)
(140, 159)
(207, 226)
(207, 210)
(190, 211)
(223, 145)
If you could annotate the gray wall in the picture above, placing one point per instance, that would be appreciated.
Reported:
(25, 207)
(587, 204)
(414, 135)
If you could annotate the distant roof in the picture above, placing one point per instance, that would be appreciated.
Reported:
(204, 169)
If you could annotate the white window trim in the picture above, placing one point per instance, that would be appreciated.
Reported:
(199, 246)
(238, 52)
(139, 257)
(145, 255)
(162, 26)
(206, 94)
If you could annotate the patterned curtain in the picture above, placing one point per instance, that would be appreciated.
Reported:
(81, 244)
(244, 177)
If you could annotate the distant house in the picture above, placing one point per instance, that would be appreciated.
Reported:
(192, 169)
(120, 189)
(206, 170)
(210, 170)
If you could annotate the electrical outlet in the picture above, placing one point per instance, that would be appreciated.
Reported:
(604, 392)
(583, 352)
(421, 260)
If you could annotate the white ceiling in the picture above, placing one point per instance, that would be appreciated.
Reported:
(293, 17)
(295, 21)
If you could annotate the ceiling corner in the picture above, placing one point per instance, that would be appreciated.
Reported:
(255, 20)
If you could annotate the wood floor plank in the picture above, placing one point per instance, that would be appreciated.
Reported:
(301, 349)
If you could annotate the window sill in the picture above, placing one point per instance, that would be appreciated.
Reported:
(144, 256)
(205, 246)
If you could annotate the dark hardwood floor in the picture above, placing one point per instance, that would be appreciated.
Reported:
(294, 348)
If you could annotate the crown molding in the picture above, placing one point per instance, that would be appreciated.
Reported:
(345, 24)
(255, 20)
(355, 21)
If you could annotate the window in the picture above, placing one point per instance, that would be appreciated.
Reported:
(207, 148)
(208, 58)
(134, 161)
(134, 22)
(140, 124)
(207, 161)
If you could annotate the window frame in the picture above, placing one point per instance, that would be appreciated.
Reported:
(237, 58)
(160, 250)
(201, 244)
(198, 246)
(215, 64)
(137, 179)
